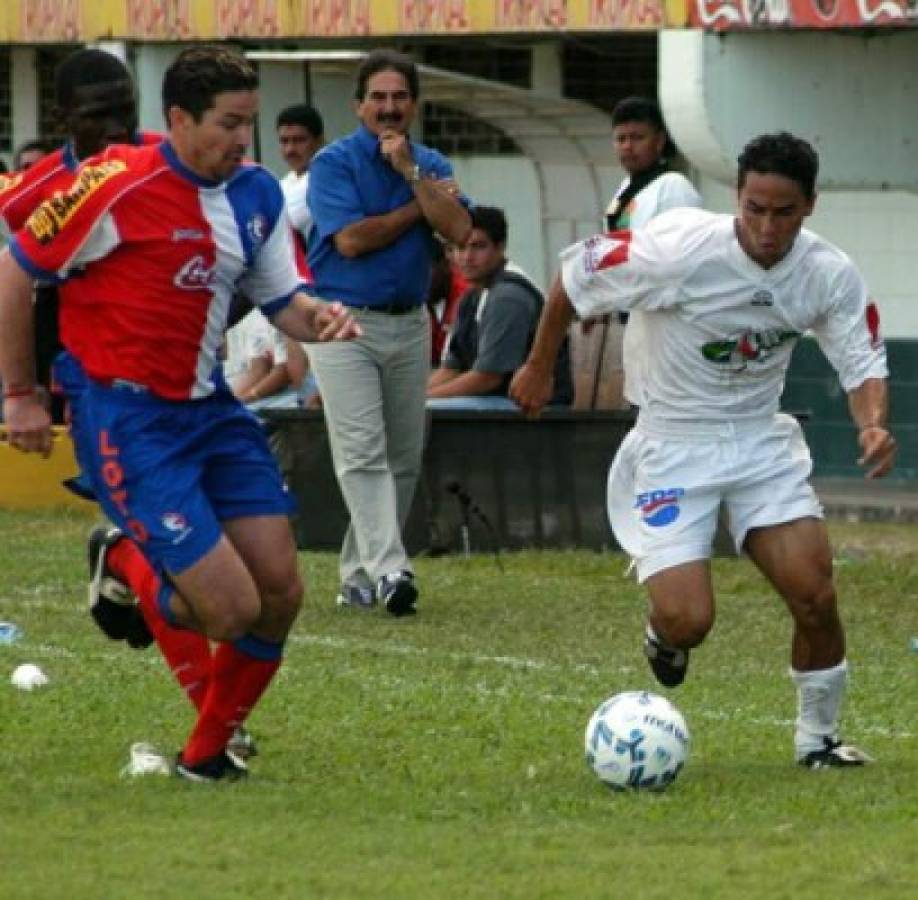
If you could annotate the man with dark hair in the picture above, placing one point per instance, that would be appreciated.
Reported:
(94, 98)
(726, 299)
(300, 133)
(28, 153)
(376, 198)
(494, 328)
(175, 460)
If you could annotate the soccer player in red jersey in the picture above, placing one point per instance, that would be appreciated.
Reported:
(94, 92)
(161, 238)
(94, 96)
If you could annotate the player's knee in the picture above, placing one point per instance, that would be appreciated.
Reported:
(281, 602)
(816, 607)
(684, 628)
(232, 623)
(291, 599)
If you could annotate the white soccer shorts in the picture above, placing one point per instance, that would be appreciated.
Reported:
(669, 481)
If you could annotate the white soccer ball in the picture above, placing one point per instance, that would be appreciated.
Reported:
(636, 740)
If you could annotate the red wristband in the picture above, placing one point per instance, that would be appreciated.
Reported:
(21, 391)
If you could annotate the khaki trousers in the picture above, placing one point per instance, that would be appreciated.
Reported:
(373, 391)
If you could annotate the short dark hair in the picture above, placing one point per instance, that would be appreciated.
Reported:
(199, 73)
(384, 61)
(85, 67)
(638, 109)
(784, 154)
(26, 147)
(492, 221)
(304, 115)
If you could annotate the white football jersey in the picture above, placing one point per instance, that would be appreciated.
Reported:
(671, 190)
(296, 196)
(719, 328)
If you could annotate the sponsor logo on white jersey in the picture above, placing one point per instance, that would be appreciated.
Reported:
(195, 275)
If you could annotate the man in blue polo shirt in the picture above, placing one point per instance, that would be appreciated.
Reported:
(376, 198)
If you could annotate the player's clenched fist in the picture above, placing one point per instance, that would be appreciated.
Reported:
(531, 388)
(28, 425)
(878, 448)
(333, 322)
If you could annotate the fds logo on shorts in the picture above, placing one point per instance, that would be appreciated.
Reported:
(661, 507)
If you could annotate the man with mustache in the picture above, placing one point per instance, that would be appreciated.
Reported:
(376, 198)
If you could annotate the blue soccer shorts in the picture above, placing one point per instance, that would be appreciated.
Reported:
(169, 472)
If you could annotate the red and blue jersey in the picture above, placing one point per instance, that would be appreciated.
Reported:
(152, 255)
(21, 192)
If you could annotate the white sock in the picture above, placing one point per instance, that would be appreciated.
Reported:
(819, 697)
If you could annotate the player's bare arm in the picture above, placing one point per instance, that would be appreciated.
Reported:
(28, 425)
(462, 384)
(316, 321)
(869, 405)
(531, 387)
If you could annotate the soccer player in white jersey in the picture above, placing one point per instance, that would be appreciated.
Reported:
(641, 145)
(726, 299)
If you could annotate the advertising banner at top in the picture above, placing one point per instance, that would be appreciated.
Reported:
(31, 21)
(59, 21)
(736, 15)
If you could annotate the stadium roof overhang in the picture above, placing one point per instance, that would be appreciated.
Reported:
(548, 129)
(568, 142)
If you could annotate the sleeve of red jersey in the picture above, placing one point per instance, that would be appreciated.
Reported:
(49, 242)
(18, 197)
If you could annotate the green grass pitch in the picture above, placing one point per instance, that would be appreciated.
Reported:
(442, 756)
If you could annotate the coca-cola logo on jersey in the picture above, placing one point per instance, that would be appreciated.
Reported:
(195, 275)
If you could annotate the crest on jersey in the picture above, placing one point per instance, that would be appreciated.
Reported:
(48, 220)
(661, 507)
(257, 228)
(606, 250)
(195, 275)
(763, 298)
(177, 524)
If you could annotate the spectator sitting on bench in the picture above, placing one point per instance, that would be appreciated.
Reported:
(265, 368)
(494, 328)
